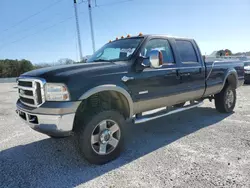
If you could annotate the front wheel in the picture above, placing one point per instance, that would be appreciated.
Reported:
(225, 100)
(101, 137)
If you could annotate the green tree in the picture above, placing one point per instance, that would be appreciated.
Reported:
(13, 68)
(25, 66)
(65, 61)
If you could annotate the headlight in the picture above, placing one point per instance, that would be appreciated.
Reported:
(56, 92)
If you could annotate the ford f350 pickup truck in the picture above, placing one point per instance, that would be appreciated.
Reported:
(126, 77)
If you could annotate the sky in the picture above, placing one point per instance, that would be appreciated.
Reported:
(45, 31)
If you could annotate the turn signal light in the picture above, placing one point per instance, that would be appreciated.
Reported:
(65, 97)
(64, 89)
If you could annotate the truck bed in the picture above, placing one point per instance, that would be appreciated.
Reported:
(217, 71)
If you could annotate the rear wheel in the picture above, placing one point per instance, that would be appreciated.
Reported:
(225, 100)
(100, 136)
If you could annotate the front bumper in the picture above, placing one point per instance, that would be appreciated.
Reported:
(54, 119)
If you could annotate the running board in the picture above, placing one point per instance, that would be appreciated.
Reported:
(164, 112)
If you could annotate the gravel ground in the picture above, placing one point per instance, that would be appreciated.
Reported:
(197, 148)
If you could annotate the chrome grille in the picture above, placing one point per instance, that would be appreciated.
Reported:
(31, 91)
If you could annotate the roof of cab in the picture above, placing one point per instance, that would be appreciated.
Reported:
(157, 35)
(169, 36)
(152, 36)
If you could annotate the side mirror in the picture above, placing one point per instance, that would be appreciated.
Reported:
(155, 59)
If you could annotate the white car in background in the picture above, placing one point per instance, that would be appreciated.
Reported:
(247, 71)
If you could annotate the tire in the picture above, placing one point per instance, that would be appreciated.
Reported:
(92, 128)
(179, 105)
(225, 100)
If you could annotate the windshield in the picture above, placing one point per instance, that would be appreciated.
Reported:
(120, 50)
(247, 63)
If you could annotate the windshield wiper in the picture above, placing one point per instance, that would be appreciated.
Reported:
(106, 60)
(101, 60)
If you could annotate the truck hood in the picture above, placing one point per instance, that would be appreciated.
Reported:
(81, 77)
(65, 72)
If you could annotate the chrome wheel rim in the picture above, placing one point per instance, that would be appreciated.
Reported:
(229, 98)
(105, 137)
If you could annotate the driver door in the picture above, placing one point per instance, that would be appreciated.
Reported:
(155, 88)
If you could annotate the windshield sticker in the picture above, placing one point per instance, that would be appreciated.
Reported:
(124, 50)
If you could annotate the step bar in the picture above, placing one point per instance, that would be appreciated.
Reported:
(163, 113)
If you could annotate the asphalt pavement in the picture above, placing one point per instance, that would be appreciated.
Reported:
(196, 148)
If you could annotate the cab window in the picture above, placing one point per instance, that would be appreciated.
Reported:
(186, 51)
(161, 45)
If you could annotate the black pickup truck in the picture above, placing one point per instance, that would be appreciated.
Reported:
(126, 77)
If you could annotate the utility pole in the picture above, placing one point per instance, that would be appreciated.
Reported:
(78, 30)
(91, 25)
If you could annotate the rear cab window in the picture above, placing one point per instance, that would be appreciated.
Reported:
(186, 51)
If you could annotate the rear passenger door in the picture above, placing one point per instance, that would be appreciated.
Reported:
(191, 71)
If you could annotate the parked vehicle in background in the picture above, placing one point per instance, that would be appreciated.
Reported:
(123, 79)
(247, 71)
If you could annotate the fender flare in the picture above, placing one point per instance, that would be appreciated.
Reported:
(110, 87)
(231, 72)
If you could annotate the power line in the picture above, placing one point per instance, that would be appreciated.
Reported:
(45, 29)
(31, 27)
(83, 2)
(76, 47)
(113, 3)
(33, 15)
(91, 20)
